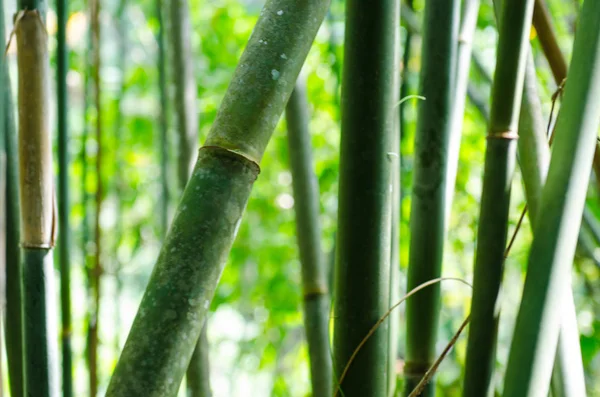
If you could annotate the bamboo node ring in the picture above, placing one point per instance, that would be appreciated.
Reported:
(242, 156)
(508, 135)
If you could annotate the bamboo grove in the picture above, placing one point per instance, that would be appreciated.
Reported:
(300, 198)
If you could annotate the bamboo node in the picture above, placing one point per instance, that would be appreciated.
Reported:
(314, 293)
(237, 153)
(508, 135)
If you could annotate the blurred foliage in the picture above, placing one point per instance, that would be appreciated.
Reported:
(255, 325)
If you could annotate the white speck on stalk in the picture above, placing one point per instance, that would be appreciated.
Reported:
(280, 12)
(283, 56)
(275, 74)
(206, 303)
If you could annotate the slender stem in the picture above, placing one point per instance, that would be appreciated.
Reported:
(545, 32)
(308, 232)
(182, 66)
(555, 237)
(120, 164)
(499, 168)
(64, 240)
(162, 122)
(404, 85)
(173, 309)
(98, 267)
(468, 23)
(428, 200)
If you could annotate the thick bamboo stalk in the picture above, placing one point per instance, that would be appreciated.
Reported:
(13, 320)
(37, 204)
(364, 218)
(308, 234)
(500, 159)
(538, 323)
(64, 229)
(428, 200)
(173, 309)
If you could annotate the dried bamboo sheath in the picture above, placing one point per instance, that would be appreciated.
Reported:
(35, 146)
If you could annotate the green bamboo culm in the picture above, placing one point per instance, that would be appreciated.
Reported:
(428, 201)
(162, 122)
(507, 90)
(308, 234)
(64, 229)
(174, 306)
(364, 220)
(37, 203)
(536, 332)
(13, 320)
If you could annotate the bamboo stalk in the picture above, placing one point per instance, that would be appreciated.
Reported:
(97, 271)
(120, 165)
(162, 123)
(14, 322)
(404, 85)
(308, 233)
(64, 240)
(364, 218)
(37, 203)
(499, 168)
(173, 309)
(428, 200)
(553, 247)
(182, 66)
(470, 10)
